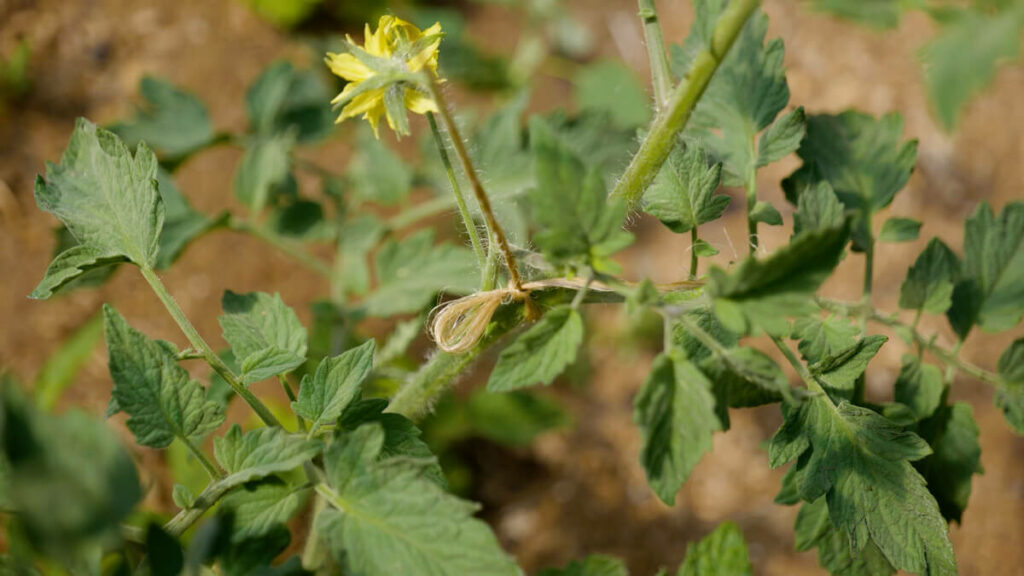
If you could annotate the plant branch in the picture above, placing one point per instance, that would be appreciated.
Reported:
(495, 229)
(460, 200)
(197, 342)
(285, 245)
(801, 369)
(208, 465)
(693, 253)
(184, 519)
(948, 357)
(671, 120)
(661, 77)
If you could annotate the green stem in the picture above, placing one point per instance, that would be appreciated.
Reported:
(197, 342)
(661, 77)
(286, 246)
(671, 120)
(494, 229)
(186, 518)
(752, 239)
(417, 396)
(693, 253)
(800, 368)
(208, 465)
(460, 200)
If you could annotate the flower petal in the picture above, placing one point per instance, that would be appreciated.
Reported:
(348, 67)
(419, 102)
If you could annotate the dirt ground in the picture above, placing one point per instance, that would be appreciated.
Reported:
(577, 491)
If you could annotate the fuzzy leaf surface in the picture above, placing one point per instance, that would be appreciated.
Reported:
(682, 196)
(261, 452)
(723, 552)
(264, 333)
(336, 383)
(929, 283)
(541, 353)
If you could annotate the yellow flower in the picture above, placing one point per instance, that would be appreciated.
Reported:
(381, 73)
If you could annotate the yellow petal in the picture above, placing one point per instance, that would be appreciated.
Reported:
(348, 67)
(363, 102)
(376, 43)
(419, 102)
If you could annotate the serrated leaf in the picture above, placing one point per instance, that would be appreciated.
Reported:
(593, 565)
(541, 353)
(764, 293)
(260, 506)
(823, 337)
(956, 457)
(174, 122)
(963, 57)
(412, 271)
(919, 386)
(71, 481)
(766, 213)
(387, 518)
(161, 400)
(611, 88)
(70, 265)
(682, 196)
(817, 208)
(107, 199)
(782, 138)
(265, 170)
(929, 283)
(1010, 394)
(743, 377)
(896, 230)
(570, 205)
(675, 411)
(862, 158)
(264, 334)
(378, 174)
(723, 552)
(285, 98)
(744, 97)
(260, 453)
(991, 291)
(336, 383)
(814, 530)
(860, 462)
(838, 372)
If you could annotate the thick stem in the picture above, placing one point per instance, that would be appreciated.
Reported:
(460, 200)
(417, 396)
(671, 120)
(661, 77)
(197, 342)
(693, 253)
(208, 465)
(286, 246)
(189, 516)
(493, 227)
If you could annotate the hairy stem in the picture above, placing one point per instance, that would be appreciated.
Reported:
(495, 229)
(693, 253)
(186, 518)
(661, 77)
(197, 342)
(460, 200)
(752, 239)
(671, 119)
(286, 246)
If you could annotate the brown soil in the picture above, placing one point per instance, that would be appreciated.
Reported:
(575, 492)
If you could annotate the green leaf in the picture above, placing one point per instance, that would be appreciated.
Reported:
(820, 338)
(514, 418)
(165, 556)
(962, 59)
(161, 400)
(285, 98)
(387, 518)
(860, 462)
(766, 213)
(378, 174)
(838, 372)
(814, 530)
(919, 386)
(956, 457)
(742, 378)
(182, 223)
(412, 271)
(335, 385)
(182, 496)
(817, 208)
(264, 171)
(260, 453)
(570, 205)
(70, 265)
(260, 506)
(63, 365)
(1010, 394)
(675, 411)
(355, 240)
(264, 334)
(744, 98)
(862, 158)
(764, 293)
(991, 290)
(929, 283)
(723, 552)
(174, 122)
(876, 13)
(107, 199)
(682, 196)
(896, 230)
(72, 481)
(301, 219)
(541, 353)
(593, 565)
(611, 88)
